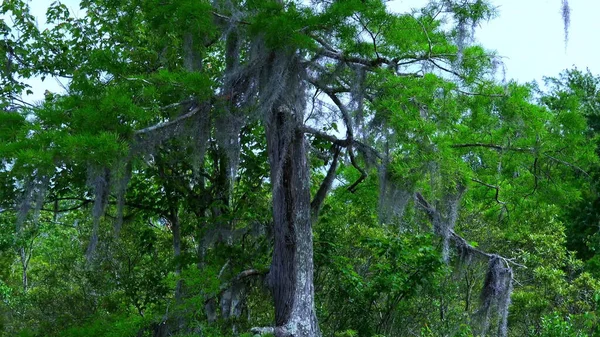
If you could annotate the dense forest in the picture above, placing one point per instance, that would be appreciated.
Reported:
(290, 168)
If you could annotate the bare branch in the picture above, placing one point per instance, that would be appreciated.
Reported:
(242, 275)
(363, 173)
(479, 94)
(319, 198)
(227, 18)
(369, 63)
(23, 103)
(83, 204)
(446, 69)
(491, 186)
(573, 166)
(326, 136)
(427, 35)
(493, 146)
(364, 148)
(459, 241)
(158, 126)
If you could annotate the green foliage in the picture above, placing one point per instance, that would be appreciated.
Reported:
(117, 326)
(556, 326)
(162, 99)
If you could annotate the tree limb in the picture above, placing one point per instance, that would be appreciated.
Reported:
(242, 275)
(493, 146)
(363, 173)
(319, 198)
(491, 186)
(459, 241)
(332, 139)
(573, 166)
(158, 126)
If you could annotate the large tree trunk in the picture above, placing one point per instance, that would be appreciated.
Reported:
(291, 274)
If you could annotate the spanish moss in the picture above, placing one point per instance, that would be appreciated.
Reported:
(495, 295)
(122, 179)
(393, 197)
(99, 181)
(565, 12)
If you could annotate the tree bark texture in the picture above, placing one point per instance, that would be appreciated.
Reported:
(291, 273)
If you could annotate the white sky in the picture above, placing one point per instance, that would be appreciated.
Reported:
(528, 34)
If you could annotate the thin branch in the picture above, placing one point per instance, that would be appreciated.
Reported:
(493, 146)
(312, 106)
(319, 198)
(573, 166)
(343, 109)
(478, 94)
(24, 104)
(138, 79)
(324, 43)
(463, 243)
(341, 142)
(86, 202)
(535, 178)
(242, 275)
(369, 63)
(373, 36)
(446, 69)
(459, 240)
(366, 149)
(493, 187)
(225, 17)
(326, 136)
(363, 173)
(158, 126)
(428, 39)
(223, 268)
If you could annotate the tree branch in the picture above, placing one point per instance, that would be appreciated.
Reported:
(332, 139)
(319, 198)
(369, 63)
(225, 17)
(459, 241)
(491, 186)
(363, 173)
(478, 94)
(158, 126)
(242, 275)
(493, 146)
(573, 166)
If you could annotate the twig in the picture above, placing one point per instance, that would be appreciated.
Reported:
(427, 35)
(478, 94)
(225, 17)
(493, 146)
(22, 102)
(491, 186)
(577, 168)
(242, 275)
(155, 127)
(459, 240)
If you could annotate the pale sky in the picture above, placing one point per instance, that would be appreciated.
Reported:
(528, 34)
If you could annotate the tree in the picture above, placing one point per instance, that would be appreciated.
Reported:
(575, 91)
(176, 111)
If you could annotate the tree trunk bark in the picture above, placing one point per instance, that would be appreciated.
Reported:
(291, 274)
